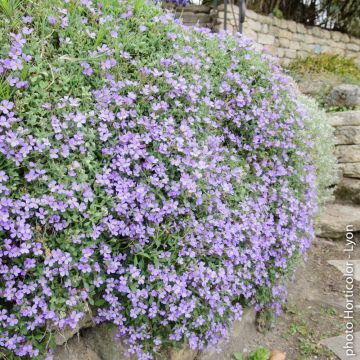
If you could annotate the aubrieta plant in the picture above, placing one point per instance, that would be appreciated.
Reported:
(152, 176)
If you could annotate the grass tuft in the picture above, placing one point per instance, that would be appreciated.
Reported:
(9, 7)
(341, 66)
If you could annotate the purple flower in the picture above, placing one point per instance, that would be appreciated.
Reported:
(87, 70)
(142, 28)
(51, 20)
(27, 19)
(168, 193)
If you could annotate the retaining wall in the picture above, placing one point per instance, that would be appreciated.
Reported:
(284, 39)
(199, 15)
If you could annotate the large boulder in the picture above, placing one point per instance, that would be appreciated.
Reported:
(102, 339)
(63, 335)
(344, 95)
(97, 343)
(76, 349)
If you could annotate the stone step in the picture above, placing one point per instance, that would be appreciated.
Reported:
(344, 95)
(341, 265)
(348, 190)
(347, 153)
(335, 219)
(347, 135)
(345, 347)
(345, 118)
(351, 170)
(194, 9)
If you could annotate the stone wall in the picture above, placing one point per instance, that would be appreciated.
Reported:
(287, 39)
(197, 15)
(345, 209)
(282, 38)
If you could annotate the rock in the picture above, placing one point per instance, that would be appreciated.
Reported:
(230, 8)
(266, 39)
(348, 190)
(277, 355)
(348, 153)
(337, 346)
(351, 170)
(311, 87)
(241, 332)
(63, 335)
(342, 266)
(195, 18)
(75, 349)
(101, 339)
(195, 8)
(344, 95)
(100, 343)
(349, 135)
(334, 220)
(345, 118)
(182, 354)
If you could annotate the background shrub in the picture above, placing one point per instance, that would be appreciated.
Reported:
(324, 71)
(157, 177)
(344, 67)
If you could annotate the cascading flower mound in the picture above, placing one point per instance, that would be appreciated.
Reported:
(152, 175)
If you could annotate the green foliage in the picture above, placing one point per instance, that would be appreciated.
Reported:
(60, 55)
(304, 328)
(5, 89)
(260, 354)
(265, 320)
(237, 356)
(8, 7)
(338, 15)
(278, 13)
(342, 15)
(324, 63)
(328, 69)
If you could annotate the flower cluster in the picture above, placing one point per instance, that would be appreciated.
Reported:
(153, 175)
(177, 2)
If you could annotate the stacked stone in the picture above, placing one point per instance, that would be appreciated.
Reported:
(347, 131)
(287, 39)
(232, 23)
(345, 210)
(197, 15)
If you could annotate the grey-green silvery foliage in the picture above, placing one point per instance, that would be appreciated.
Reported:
(321, 133)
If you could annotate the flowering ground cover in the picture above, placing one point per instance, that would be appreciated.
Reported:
(159, 177)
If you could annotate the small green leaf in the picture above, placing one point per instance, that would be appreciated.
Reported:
(237, 356)
(100, 302)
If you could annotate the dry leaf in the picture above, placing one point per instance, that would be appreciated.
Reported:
(277, 355)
